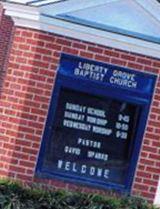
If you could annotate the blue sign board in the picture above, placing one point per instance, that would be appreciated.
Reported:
(95, 124)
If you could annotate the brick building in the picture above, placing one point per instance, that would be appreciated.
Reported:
(33, 35)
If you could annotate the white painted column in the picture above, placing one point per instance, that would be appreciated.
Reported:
(157, 198)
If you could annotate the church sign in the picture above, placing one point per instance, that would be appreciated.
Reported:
(95, 124)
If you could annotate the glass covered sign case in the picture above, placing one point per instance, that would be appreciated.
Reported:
(95, 124)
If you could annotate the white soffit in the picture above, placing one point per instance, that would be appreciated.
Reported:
(132, 25)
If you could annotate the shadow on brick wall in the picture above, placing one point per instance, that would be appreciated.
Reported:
(6, 31)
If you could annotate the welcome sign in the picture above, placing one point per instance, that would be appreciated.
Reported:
(95, 123)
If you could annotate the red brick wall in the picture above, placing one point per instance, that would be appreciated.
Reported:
(25, 100)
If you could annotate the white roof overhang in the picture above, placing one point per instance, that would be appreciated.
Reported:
(76, 19)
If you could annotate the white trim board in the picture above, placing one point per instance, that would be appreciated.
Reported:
(94, 36)
(27, 16)
(21, 11)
